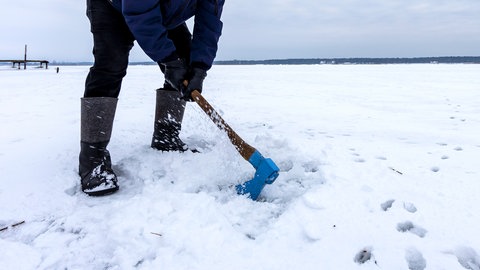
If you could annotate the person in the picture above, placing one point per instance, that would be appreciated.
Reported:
(159, 27)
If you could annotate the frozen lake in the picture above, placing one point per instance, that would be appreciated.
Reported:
(377, 161)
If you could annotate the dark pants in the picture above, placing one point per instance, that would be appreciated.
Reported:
(112, 42)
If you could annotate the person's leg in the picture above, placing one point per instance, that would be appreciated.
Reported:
(169, 107)
(112, 42)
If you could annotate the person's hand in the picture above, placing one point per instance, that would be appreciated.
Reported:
(175, 73)
(195, 82)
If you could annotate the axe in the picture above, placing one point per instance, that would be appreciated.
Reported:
(266, 170)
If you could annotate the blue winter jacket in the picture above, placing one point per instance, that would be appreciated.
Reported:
(149, 21)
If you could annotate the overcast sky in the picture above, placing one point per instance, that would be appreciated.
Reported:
(58, 30)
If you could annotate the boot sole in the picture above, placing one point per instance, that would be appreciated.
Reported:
(103, 192)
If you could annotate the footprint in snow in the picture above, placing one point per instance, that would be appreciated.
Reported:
(310, 166)
(408, 226)
(410, 207)
(356, 155)
(364, 256)
(468, 258)
(359, 160)
(415, 259)
(387, 205)
(458, 148)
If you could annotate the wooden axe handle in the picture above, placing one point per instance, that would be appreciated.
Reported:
(245, 150)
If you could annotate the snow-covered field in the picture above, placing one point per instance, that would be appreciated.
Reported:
(379, 170)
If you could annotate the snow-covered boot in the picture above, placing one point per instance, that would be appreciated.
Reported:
(168, 121)
(95, 166)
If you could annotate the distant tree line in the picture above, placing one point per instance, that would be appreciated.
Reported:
(317, 61)
(343, 61)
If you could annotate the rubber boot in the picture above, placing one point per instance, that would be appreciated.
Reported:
(168, 121)
(95, 166)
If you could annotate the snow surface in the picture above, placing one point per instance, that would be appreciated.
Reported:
(379, 170)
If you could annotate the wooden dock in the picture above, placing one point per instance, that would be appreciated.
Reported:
(24, 62)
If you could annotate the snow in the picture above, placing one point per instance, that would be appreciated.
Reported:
(379, 170)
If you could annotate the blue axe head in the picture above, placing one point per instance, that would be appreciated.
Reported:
(266, 173)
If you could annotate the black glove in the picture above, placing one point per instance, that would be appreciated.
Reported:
(175, 73)
(197, 75)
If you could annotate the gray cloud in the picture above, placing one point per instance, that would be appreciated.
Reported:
(351, 28)
(59, 30)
